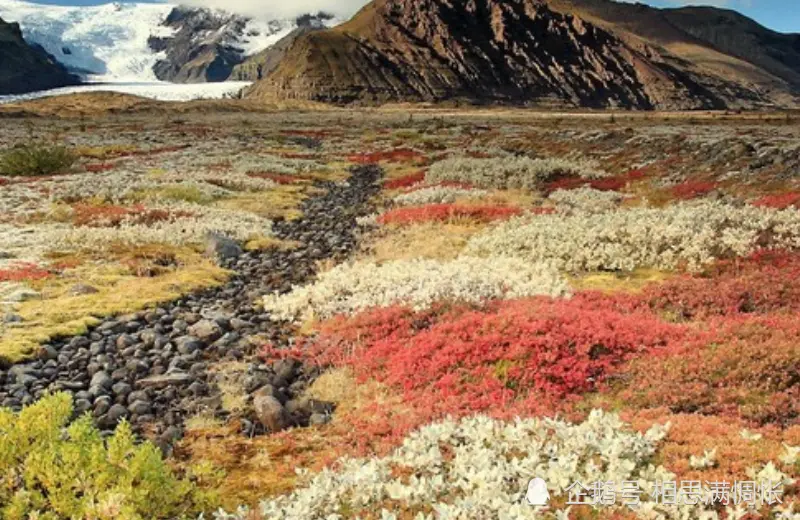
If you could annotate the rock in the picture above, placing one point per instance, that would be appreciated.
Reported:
(318, 418)
(102, 380)
(121, 389)
(117, 413)
(206, 330)
(221, 247)
(23, 295)
(188, 344)
(82, 289)
(10, 317)
(270, 412)
(140, 407)
(161, 381)
(255, 381)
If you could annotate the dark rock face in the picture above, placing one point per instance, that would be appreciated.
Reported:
(27, 68)
(206, 45)
(489, 51)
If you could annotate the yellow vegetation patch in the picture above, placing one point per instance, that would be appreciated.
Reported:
(434, 240)
(280, 202)
(105, 152)
(119, 291)
(618, 282)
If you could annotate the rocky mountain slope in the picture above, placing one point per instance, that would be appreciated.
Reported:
(593, 53)
(261, 64)
(206, 45)
(24, 67)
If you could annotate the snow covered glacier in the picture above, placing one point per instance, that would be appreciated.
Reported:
(110, 43)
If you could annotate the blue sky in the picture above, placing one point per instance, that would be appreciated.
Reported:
(780, 15)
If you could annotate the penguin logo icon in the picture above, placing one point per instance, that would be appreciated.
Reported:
(537, 494)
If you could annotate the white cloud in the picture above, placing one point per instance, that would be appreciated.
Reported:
(278, 9)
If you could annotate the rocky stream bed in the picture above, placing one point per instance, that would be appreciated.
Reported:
(156, 367)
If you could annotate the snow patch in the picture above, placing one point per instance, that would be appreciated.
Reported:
(156, 90)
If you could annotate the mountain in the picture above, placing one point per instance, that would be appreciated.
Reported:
(259, 65)
(144, 42)
(590, 53)
(24, 67)
(206, 45)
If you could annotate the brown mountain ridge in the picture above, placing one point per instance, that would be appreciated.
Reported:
(588, 53)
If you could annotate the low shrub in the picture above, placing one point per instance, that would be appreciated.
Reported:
(507, 172)
(511, 357)
(615, 183)
(446, 212)
(779, 200)
(436, 195)
(693, 189)
(689, 234)
(354, 287)
(760, 284)
(51, 468)
(404, 181)
(749, 369)
(36, 160)
(24, 272)
(586, 199)
(477, 468)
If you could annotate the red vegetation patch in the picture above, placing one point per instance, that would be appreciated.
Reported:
(615, 183)
(113, 216)
(24, 272)
(398, 155)
(763, 283)
(444, 212)
(779, 201)
(693, 189)
(405, 181)
(750, 370)
(513, 357)
(99, 167)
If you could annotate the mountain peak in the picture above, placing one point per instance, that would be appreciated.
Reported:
(591, 53)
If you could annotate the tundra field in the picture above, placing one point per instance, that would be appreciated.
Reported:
(397, 314)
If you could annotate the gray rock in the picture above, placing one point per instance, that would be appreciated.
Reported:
(319, 418)
(101, 379)
(117, 412)
(188, 344)
(82, 289)
(270, 412)
(23, 295)
(10, 317)
(121, 389)
(206, 330)
(221, 247)
(162, 381)
(140, 407)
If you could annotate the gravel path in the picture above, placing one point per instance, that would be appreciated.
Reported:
(155, 367)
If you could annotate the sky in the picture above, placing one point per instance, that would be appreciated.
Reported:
(780, 15)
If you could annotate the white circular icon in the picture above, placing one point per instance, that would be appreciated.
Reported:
(537, 494)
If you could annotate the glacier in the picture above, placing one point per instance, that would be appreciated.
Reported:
(108, 45)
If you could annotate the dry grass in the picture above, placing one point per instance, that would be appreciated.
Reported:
(121, 287)
(281, 201)
(618, 282)
(433, 240)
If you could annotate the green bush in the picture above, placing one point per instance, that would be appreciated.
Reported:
(51, 469)
(36, 160)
